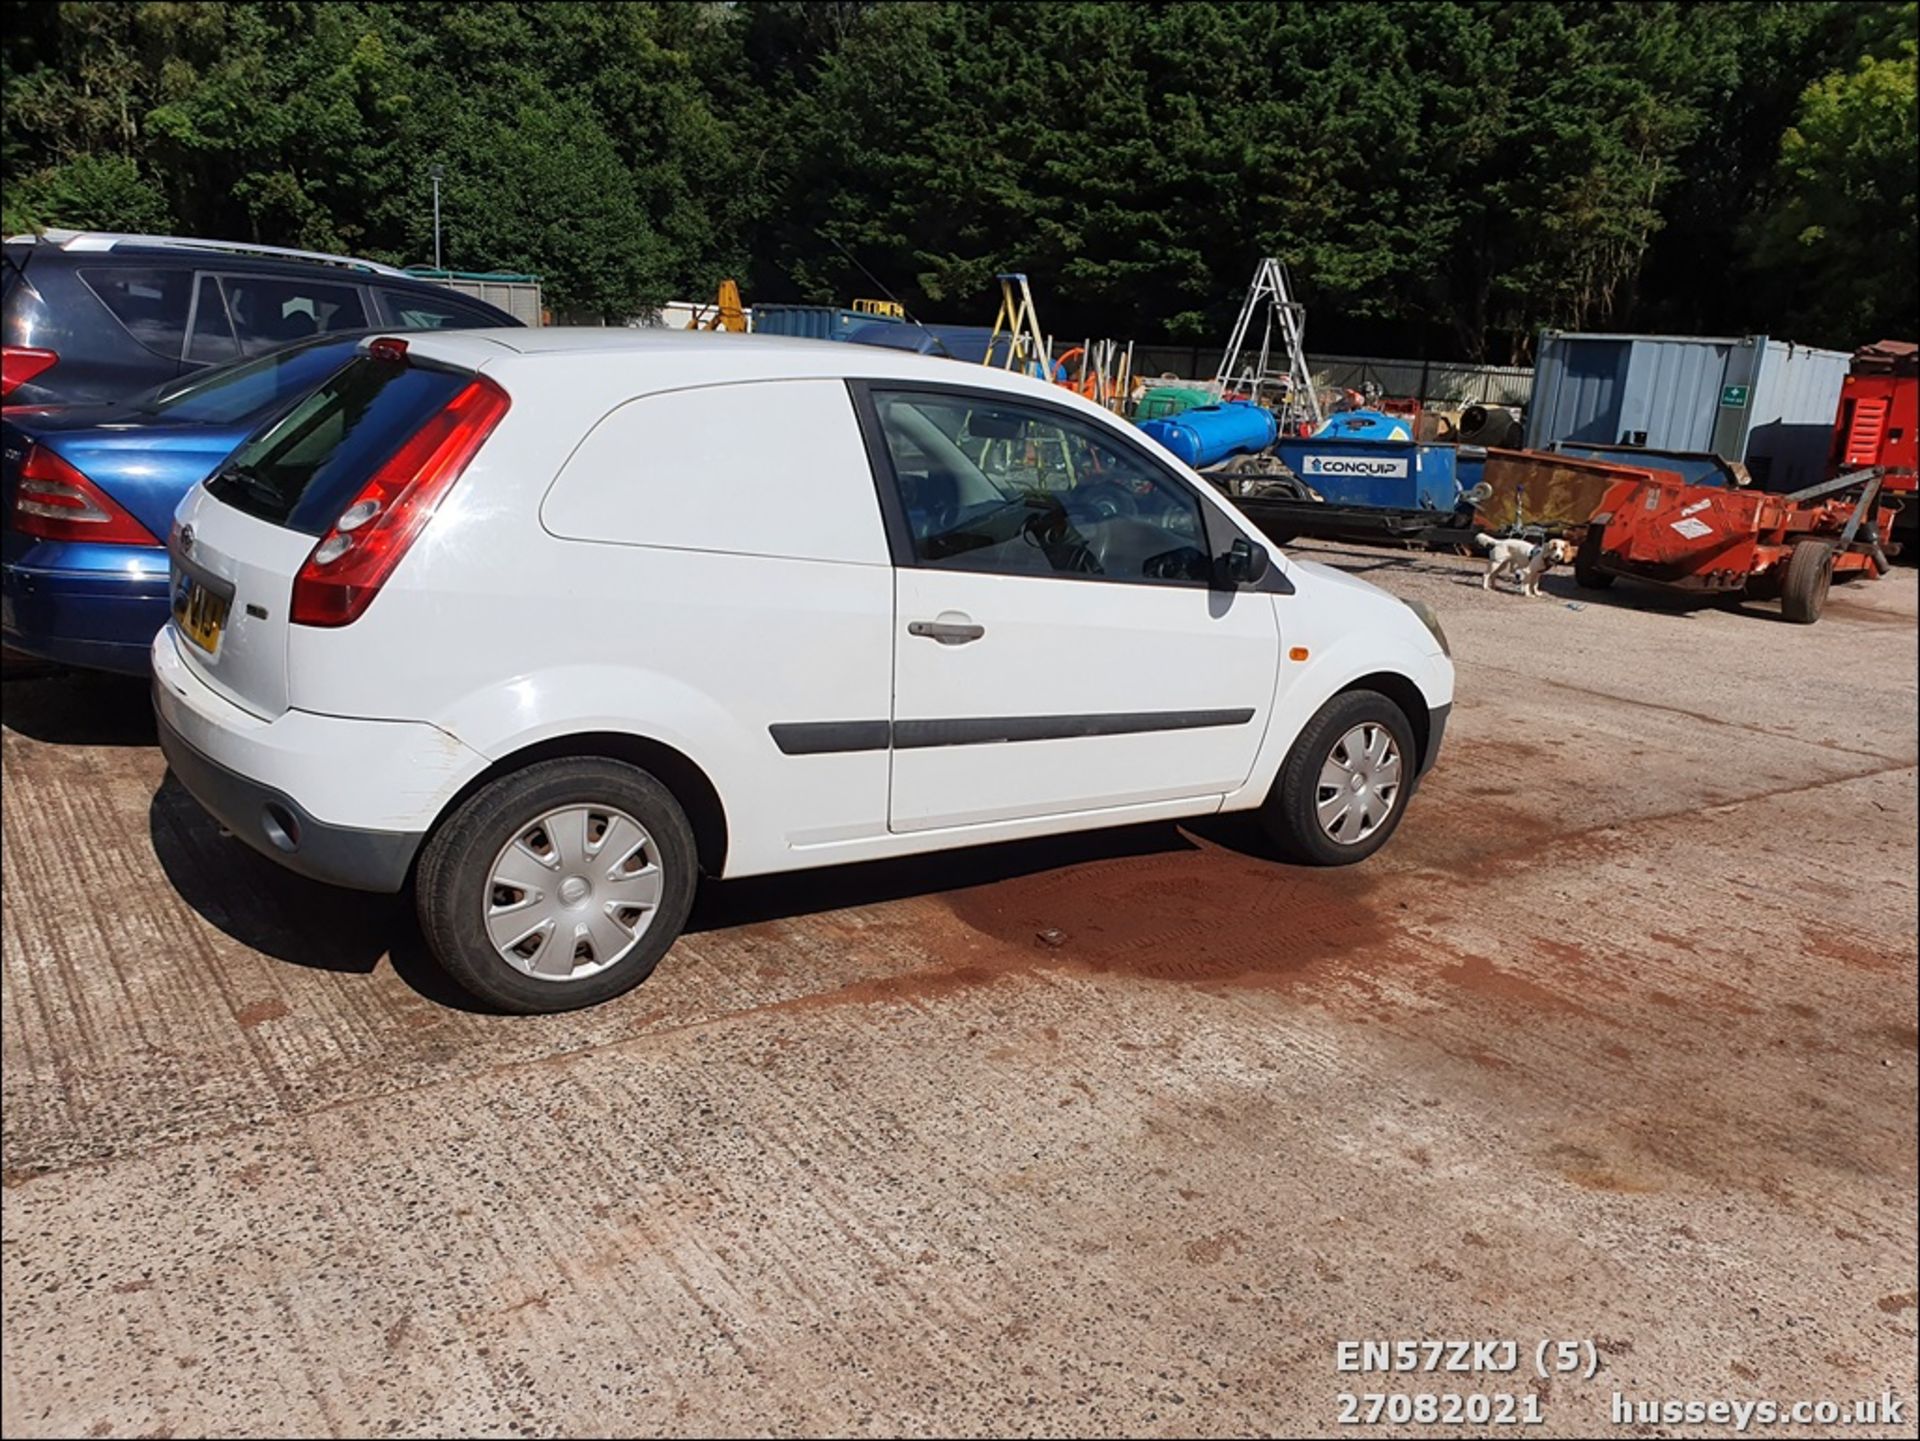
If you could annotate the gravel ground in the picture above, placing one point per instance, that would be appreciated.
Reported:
(1615, 1044)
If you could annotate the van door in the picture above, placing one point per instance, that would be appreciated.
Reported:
(1058, 646)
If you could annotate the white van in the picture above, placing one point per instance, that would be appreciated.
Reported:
(549, 622)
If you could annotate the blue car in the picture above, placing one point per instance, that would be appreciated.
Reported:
(88, 494)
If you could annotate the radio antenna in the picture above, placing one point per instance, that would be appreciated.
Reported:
(912, 319)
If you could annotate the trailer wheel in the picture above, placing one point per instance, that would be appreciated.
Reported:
(1803, 593)
(1586, 560)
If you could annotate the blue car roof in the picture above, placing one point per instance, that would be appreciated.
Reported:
(169, 407)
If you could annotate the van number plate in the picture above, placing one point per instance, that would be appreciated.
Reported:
(200, 613)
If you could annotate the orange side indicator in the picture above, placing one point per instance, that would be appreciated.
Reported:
(1299, 652)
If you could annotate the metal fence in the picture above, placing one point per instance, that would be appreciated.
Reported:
(1432, 382)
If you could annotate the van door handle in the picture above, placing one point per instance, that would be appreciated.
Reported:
(946, 632)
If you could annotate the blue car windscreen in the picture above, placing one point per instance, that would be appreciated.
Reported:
(235, 394)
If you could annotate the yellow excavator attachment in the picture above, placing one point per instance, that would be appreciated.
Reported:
(727, 313)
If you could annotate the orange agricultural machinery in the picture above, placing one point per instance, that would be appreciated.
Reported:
(1713, 539)
(1879, 420)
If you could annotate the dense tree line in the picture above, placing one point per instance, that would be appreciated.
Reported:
(1447, 176)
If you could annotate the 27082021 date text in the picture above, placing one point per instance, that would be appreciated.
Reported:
(1439, 1408)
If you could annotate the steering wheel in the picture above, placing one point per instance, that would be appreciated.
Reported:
(1184, 563)
(1052, 532)
(1104, 500)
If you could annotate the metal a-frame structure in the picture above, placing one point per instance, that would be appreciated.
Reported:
(1020, 323)
(1284, 376)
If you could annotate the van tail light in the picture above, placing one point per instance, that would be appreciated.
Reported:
(20, 363)
(54, 501)
(355, 557)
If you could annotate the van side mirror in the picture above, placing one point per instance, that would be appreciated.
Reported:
(1244, 564)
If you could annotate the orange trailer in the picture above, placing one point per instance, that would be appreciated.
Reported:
(1734, 541)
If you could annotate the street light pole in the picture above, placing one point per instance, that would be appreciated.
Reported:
(436, 173)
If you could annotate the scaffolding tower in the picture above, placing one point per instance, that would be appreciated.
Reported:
(1284, 377)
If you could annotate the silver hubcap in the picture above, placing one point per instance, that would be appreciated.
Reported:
(572, 892)
(1358, 784)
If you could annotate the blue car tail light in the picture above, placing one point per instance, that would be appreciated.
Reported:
(54, 501)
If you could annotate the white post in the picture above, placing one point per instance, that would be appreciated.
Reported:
(436, 172)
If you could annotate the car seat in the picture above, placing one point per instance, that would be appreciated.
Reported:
(933, 501)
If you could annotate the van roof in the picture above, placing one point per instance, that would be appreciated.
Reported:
(705, 357)
(643, 340)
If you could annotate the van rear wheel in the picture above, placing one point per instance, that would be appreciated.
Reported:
(558, 886)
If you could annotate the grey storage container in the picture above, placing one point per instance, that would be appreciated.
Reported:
(517, 294)
(1769, 403)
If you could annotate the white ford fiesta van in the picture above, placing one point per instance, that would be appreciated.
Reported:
(550, 622)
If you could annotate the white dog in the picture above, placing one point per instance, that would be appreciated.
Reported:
(1522, 557)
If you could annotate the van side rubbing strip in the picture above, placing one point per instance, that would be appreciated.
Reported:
(829, 737)
(818, 738)
(916, 735)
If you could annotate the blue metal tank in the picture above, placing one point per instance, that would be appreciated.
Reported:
(1208, 434)
(1365, 425)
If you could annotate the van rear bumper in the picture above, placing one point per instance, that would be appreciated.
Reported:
(277, 826)
(343, 799)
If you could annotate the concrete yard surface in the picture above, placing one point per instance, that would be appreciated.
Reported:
(1614, 1044)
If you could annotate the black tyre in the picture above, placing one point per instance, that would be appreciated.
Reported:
(558, 886)
(1809, 575)
(1345, 784)
(1586, 560)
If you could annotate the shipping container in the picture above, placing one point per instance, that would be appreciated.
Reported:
(515, 293)
(815, 322)
(1769, 403)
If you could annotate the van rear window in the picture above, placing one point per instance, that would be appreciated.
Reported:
(303, 469)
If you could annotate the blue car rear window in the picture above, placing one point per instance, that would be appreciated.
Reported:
(303, 469)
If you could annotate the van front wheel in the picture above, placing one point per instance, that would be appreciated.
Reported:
(558, 886)
(1344, 785)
